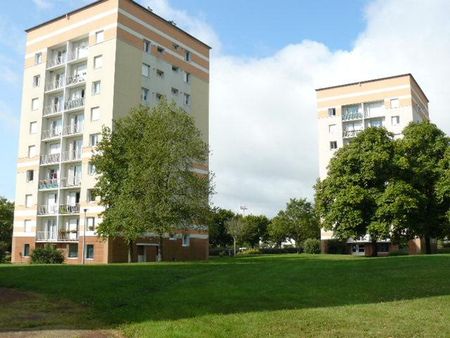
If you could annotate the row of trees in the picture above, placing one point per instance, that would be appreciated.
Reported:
(389, 188)
(6, 226)
(297, 222)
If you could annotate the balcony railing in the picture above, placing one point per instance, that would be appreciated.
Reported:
(50, 133)
(76, 54)
(71, 182)
(53, 108)
(47, 210)
(351, 116)
(53, 236)
(46, 235)
(351, 133)
(55, 84)
(69, 209)
(50, 183)
(71, 155)
(79, 78)
(75, 103)
(73, 129)
(50, 158)
(56, 60)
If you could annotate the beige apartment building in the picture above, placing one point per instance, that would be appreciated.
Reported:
(82, 70)
(345, 110)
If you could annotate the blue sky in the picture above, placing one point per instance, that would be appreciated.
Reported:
(268, 57)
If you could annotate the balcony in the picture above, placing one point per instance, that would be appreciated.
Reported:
(73, 129)
(62, 235)
(69, 209)
(56, 60)
(351, 133)
(50, 158)
(71, 155)
(71, 182)
(77, 53)
(73, 104)
(351, 115)
(46, 236)
(47, 210)
(54, 84)
(76, 79)
(50, 183)
(52, 109)
(51, 133)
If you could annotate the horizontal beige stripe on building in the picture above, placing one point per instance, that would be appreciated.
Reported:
(389, 98)
(368, 92)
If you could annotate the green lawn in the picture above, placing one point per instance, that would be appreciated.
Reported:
(279, 295)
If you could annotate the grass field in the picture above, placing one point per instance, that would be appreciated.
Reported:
(282, 295)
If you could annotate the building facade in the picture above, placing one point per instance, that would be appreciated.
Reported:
(345, 110)
(82, 70)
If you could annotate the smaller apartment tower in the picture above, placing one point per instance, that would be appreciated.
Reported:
(82, 70)
(345, 110)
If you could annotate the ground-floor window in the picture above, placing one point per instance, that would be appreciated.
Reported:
(383, 247)
(90, 251)
(186, 240)
(26, 250)
(73, 250)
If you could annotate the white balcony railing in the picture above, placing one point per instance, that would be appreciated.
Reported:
(47, 210)
(56, 60)
(46, 235)
(69, 208)
(50, 133)
(62, 235)
(73, 129)
(79, 78)
(77, 53)
(49, 183)
(351, 133)
(71, 182)
(50, 158)
(53, 108)
(71, 155)
(55, 84)
(74, 103)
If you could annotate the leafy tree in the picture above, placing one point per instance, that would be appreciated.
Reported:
(276, 230)
(218, 235)
(423, 164)
(255, 229)
(443, 189)
(357, 176)
(311, 246)
(146, 181)
(235, 228)
(6, 225)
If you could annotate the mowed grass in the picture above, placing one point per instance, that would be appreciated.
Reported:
(273, 295)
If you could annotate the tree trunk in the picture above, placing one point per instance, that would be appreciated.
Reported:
(234, 246)
(374, 248)
(130, 249)
(160, 249)
(427, 244)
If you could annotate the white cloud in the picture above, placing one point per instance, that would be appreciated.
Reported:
(43, 4)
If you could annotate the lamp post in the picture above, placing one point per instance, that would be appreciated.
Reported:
(84, 235)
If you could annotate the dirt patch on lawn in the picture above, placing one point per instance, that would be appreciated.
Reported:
(8, 296)
(63, 333)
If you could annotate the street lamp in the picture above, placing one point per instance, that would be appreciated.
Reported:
(84, 235)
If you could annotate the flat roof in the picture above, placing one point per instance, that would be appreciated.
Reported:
(100, 1)
(374, 80)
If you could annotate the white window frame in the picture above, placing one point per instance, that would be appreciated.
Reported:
(38, 58)
(96, 88)
(68, 250)
(36, 81)
(93, 251)
(332, 143)
(28, 200)
(91, 169)
(186, 99)
(95, 113)
(94, 139)
(147, 46)
(332, 112)
(187, 56)
(187, 77)
(144, 94)
(185, 240)
(98, 62)
(33, 127)
(35, 104)
(27, 225)
(99, 36)
(32, 151)
(395, 103)
(25, 254)
(27, 174)
(146, 69)
(90, 223)
(395, 120)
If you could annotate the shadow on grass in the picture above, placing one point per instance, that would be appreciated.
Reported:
(119, 294)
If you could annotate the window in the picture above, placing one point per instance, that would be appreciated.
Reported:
(174, 91)
(332, 129)
(395, 120)
(37, 58)
(395, 103)
(375, 123)
(90, 224)
(187, 77)
(147, 46)
(333, 145)
(73, 250)
(187, 55)
(90, 251)
(95, 113)
(99, 36)
(90, 197)
(383, 247)
(91, 169)
(33, 127)
(35, 104)
(31, 151)
(175, 46)
(94, 139)
(30, 175)
(27, 225)
(160, 49)
(172, 236)
(26, 250)
(98, 61)
(185, 240)
(160, 73)
(144, 94)
(175, 69)
(145, 70)
(159, 96)
(96, 88)
(187, 99)
(331, 112)
(36, 80)
(28, 200)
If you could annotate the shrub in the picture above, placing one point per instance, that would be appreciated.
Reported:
(336, 247)
(281, 250)
(250, 251)
(311, 246)
(401, 252)
(47, 255)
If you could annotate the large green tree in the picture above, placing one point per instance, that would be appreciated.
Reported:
(146, 178)
(347, 198)
(218, 235)
(6, 225)
(255, 229)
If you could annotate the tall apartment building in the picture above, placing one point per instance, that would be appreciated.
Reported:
(82, 70)
(345, 110)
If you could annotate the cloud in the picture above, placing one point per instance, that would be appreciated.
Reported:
(43, 4)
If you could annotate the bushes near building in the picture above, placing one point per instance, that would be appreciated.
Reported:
(311, 246)
(47, 255)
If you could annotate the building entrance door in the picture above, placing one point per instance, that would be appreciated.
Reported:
(358, 250)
